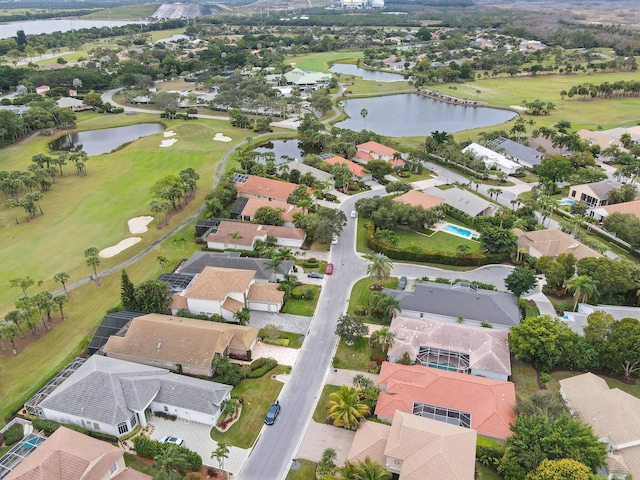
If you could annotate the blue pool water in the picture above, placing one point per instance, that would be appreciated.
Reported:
(565, 201)
(461, 231)
(443, 366)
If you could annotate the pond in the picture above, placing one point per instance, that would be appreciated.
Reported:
(347, 69)
(414, 115)
(291, 147)
(97, 142)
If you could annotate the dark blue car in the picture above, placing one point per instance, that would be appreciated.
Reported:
(272, 414)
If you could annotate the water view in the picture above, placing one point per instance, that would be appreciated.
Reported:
(290, 147)
(98, 142)
(35, 27)
(347, 69)
(414, 115)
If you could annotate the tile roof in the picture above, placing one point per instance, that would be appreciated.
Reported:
(180, 340)
(266, 187)
(488, 348)
(357, 170)
(376, 147)
(304, 168)
(364, 156)
(490, 402)
(516, 150)
(69, 455)
(552, 242)
(547, 146)
(249, 232)
(199, 260)
(232, 305)
(265, 292)
(461, 199)
(215, 283)
(601, 188)
(254, 204)
(626, 207)
(419, 199)
(370, 441)
(601, 139)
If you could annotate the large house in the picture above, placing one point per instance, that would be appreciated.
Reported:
(529, 157)
(593, 194)
(578, 320)
(252, 186)
(225, 291)
(185, 345)
(451, 346)
(417, 448)
(112, 396)
(491, 159)
(465, 201)
(601, 139)
(376, 151)
(482, 404)
(197, 262)
(632, 208)
(417, 198)
(243, 236)
(552, 242)
(301, 79)
(245, 209)
(70, 455)
(357, 171)
(451, 302)
(614, 416)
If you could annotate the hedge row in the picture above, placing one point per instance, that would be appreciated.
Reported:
(425, 256)
(145, 447)
(257, 373)
(489, 451)
(49, 426)
(282, 342)
(14, 434)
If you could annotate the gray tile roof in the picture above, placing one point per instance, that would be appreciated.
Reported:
(108, 390)
(516, 150)
(321, 175)
(603, 187)
(199, 260)
(498, 308)
(463, 200)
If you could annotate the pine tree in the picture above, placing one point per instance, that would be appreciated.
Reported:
(127, 292)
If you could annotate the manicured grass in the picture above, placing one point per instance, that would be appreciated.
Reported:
(361, 235)
(438, 242)
(304, 307)
(131, 461)
(127, 12)
(258, 395)
(305, 472)
(486, 473)
(320, 413)
(371, 88)
(353, 357)
(362, 290)
(294, 338)
(320, 62)
(414, 177)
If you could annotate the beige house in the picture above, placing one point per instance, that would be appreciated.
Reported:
(180, 344)
(243, 236)
(593, 194)
(417, 198)
(260, 187)
(539, 243)
(225, 291)
(614, 416)
(70, 455)
(417, 448)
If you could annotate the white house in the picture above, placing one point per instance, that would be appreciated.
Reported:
(492, 159)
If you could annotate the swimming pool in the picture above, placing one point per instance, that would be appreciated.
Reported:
(460, 231)
(565, 201)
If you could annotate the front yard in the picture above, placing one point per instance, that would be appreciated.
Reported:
(302, 306)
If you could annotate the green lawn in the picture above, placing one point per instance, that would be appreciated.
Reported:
(414, 177)
(132, 461)
(362, 290)
(304, 307)
(353, 357)
(486, 473)
(320, 62)
(294, 338)
(258, 395)
(525, 378)
(320, 413)
(127, 12)
(438, 242)
(305, 472)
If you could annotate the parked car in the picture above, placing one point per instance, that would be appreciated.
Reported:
(377, 197)
(329, 269)
(402, 283)
(315, 275)
(272, 414)
(171, 439)
(334, 240)
(354, 214)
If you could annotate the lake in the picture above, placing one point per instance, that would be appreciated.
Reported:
(98, 142)
(347, 69)
(412, 115)
(292, 147)
(34, 27)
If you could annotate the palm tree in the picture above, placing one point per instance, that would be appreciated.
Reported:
(14, 317)
(221, 453)
(162, 260)
(363, 114)
(93, 260)
(583, 288)
(9, 331)
(345, 408)
(379, 267)
(235, 235)
(172, 461)
(326, 465)
(62, 278)
(242, 316)
(60, 300)
(367, 469)
(463, 248)
(274, 262)
(383, 337)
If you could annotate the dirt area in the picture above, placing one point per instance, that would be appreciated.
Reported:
(22, 343)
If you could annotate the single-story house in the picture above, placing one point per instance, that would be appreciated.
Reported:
(450, 302)
(42, 89)
(301, 78)
(225, 291)
(593, 194)
(376, 151)
(111, 324)
(19, 110)
(578, 320)
(626, 207)
(197, 262)
(112, 396)
(357, 171)
(243, 236)
(71, 455)
(416, 198)
(252, 186)
(545, 146)
(451, 346)
(517, 152)
(614, 416)
(492, 159)
(465, 201)
(182, 344)
(552, 242)
(318, 174)
(632, 131)
(417, 448)
(601, 139)
(251, 205)
(482, 404)
(73, 104)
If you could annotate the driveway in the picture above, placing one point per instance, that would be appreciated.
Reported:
(284, 321)
(197, 437)
(284, 355)
(319, 437)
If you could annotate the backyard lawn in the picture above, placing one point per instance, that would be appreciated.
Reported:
(258, 395)
(438, 242)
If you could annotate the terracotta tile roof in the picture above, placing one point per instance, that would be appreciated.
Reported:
(376, 147)
(490, 402)
(397, 162)
(178, 302)
(266, 187)
(232, 305)
(265, 292)
(627, 207)
(181, 340)
(364, 156)
(357, 170)
(488, 349)
(419, 199)
(254, 204)
(216, 283)
(249, 232)
(552, 242)
(68, 455)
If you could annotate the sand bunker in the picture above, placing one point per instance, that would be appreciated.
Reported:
(221, 138)
(139, 224)
(519, 107)
(169, 133)
(116, 249)
(168, 143)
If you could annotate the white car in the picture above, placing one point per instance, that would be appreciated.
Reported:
(354, 214)
(173, 440)
(334, 240)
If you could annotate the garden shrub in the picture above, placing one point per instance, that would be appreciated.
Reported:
(282, 342)
(480, 285)
(145, 447)
(445, 281)
(311, 263)
(330, 197)
(49, 426)
(14, 434)
(257, 363)
(488, 451)
(270, 365)
(360, 310)
(192, 476)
